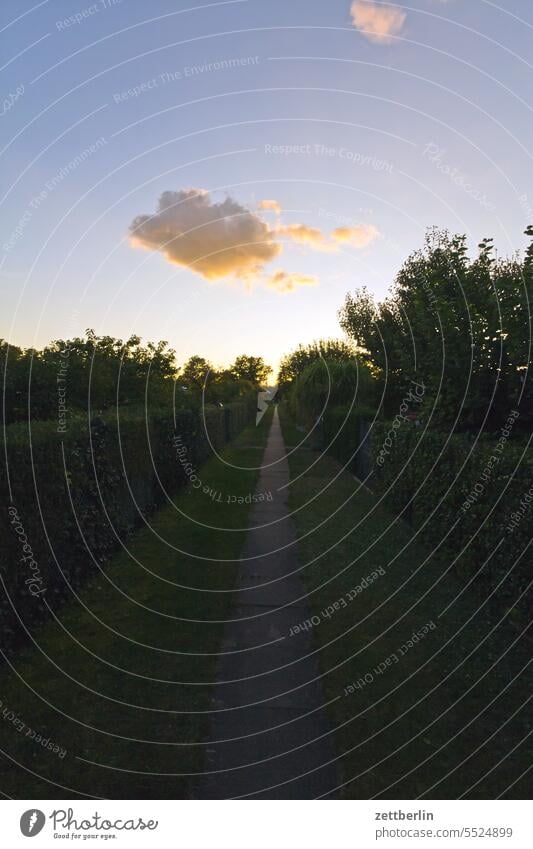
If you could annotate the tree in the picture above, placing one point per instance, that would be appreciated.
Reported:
(460, 327)
(252, 369)
(197, 373)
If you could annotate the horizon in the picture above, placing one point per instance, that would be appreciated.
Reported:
(222, 365)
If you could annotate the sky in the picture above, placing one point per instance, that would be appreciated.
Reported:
(221, 174)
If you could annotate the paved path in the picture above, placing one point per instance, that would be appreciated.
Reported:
(268, 697)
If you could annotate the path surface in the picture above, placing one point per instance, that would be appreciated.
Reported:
(268, 699)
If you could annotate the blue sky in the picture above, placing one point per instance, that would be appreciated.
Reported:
(364, 122)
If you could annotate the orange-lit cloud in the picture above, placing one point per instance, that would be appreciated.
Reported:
(214, 239)
(227, 240)
(270, 204)
(304, 235)
(379, 23)
(358, 237)
(288, 281)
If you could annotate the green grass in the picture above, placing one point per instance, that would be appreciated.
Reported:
(122, 678)
(414, 728)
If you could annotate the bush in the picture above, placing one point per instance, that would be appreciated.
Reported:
(330, 383)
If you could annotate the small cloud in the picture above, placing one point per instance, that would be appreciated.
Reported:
(305, 235)
(270, 204)
(288, 281)
(215, 240)
(378, 22)
(358, 237)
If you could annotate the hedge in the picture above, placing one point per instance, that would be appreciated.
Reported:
(482, 485)
(76, 495)
(486, 485)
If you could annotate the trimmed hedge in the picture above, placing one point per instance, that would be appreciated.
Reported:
(488, 487)
(482, 485)
(75, 496)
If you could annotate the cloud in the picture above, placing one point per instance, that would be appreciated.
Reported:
(214, 239)
(288, 281)
(304, 235)
(358, 237)
(270, 204)
(379, 23)
(227, 240)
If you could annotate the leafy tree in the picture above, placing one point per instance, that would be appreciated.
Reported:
(460, 327)
(197, 373)
(252, 369)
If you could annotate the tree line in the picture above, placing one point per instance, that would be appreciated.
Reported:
(95, 373)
